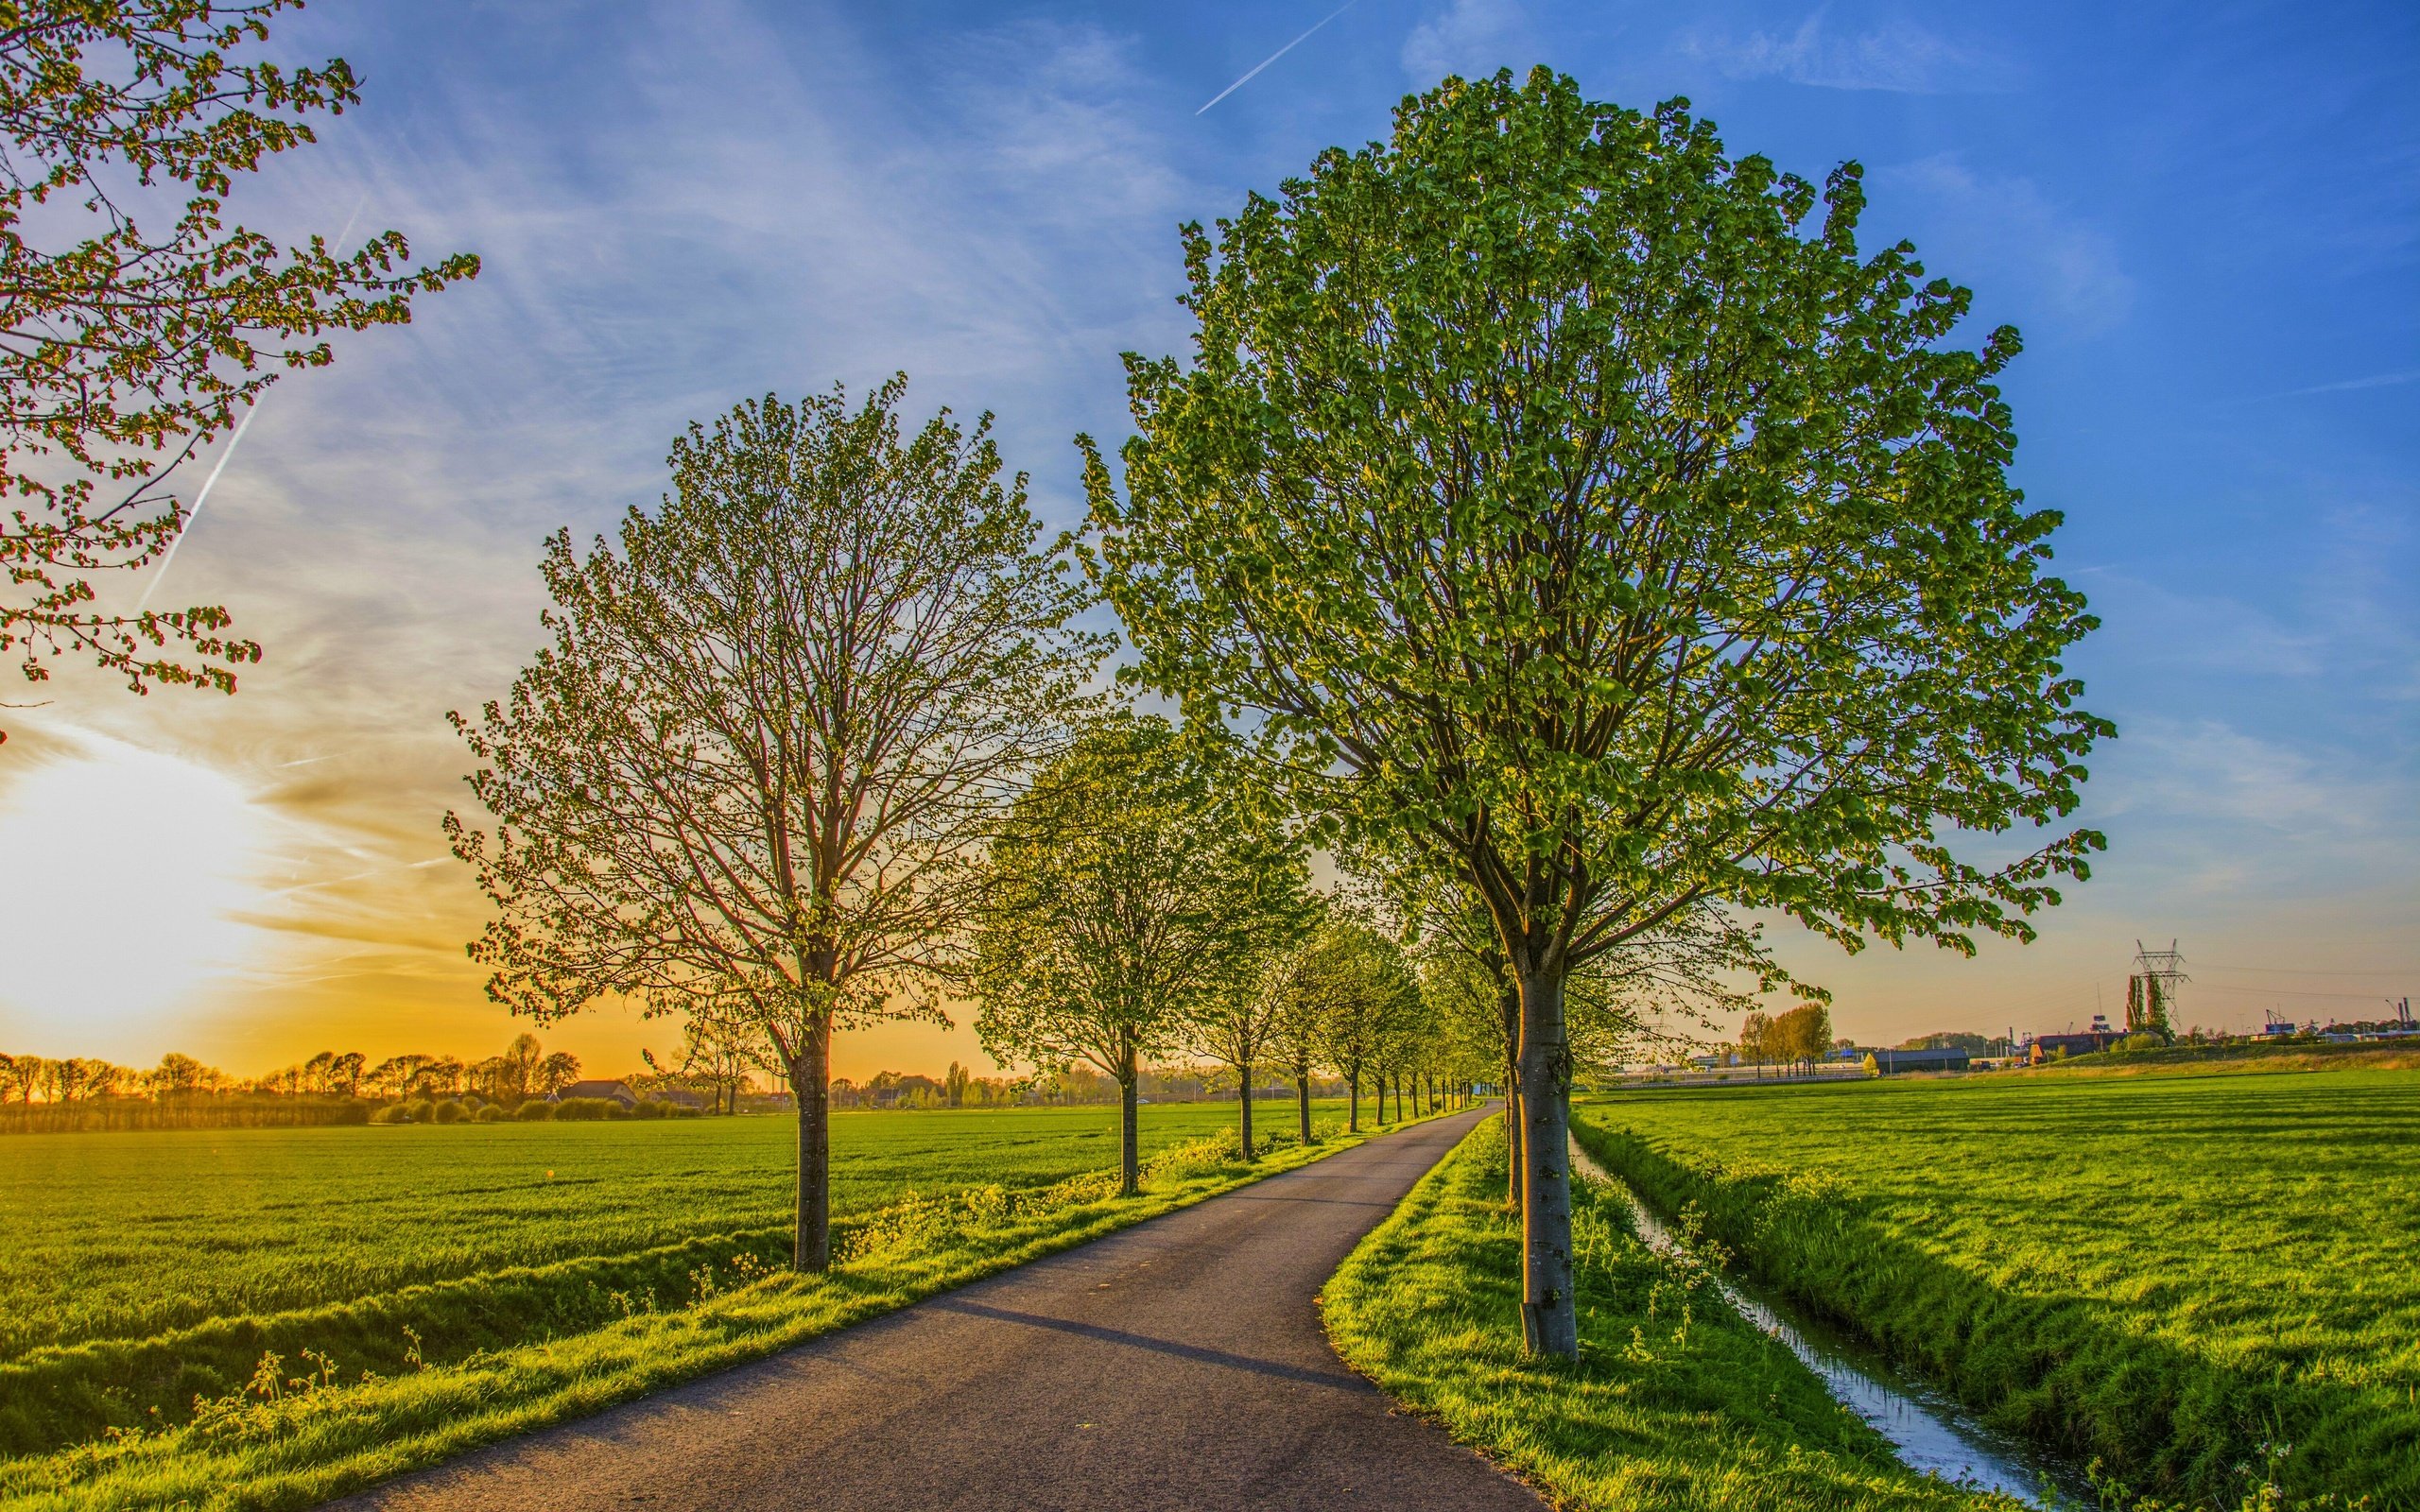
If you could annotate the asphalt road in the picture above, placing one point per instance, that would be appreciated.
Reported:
(1176, 1364)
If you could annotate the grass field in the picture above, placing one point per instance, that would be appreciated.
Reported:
(1676, 1404)
(116, 1236)
(2166, 1273)
(266, 1317)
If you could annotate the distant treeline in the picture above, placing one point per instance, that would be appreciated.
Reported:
(79, 1094)
(1079, 1087)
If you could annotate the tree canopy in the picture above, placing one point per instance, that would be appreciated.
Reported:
(753, 775)
(1125, 899)
(126, 343)
(1574, 504)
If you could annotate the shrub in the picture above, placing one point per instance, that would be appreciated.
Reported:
(586, 1107)
(450, 1112)
(494, 1113)
(649, 1107)
(536, 1110)
(419, 1110)
(356, 1110)
(391, 1113)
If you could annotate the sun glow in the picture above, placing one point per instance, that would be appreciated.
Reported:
(120, 871)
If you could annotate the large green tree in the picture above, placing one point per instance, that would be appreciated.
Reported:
(753, 774)
(1554, 492)
(136, 323)
(1237, 1023)
(1123, 896)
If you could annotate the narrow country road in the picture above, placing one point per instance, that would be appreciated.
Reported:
(1178, 1363)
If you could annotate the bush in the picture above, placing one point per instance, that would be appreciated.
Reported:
(357, 1111)
(419, 1110)
(536, 1110)
(494, 1113)
(587, 1108)
(649, 1107)
(450, 1112)
(391, 1113)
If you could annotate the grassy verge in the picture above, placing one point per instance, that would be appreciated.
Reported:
(1676, 1404)
(350, 1404)
(2200, 1283)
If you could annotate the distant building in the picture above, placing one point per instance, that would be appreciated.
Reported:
(679, 1096)
(618, 1092)
(2050, 1046)
(1891, 1062)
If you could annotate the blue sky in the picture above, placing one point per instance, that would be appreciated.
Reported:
(2205, 220)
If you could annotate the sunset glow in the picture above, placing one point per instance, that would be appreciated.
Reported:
(123, 870)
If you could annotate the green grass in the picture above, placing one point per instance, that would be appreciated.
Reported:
(399, 1377)
(2160, 1272)
(1676, 1405)
(123, 1236)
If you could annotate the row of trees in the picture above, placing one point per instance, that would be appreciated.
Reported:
(1559, 520)
(524, 1070)
(1801, 1036)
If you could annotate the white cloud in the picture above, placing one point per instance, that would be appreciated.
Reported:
(2207, 772)
(2065, 268)
(1471, 38)
(1897, 57)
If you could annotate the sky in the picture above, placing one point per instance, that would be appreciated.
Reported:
(2205, 219)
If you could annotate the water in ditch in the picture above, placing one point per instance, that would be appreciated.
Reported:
(1932, 1433)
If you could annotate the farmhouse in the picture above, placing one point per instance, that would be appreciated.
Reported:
(2048, 1045)
(616, 1091)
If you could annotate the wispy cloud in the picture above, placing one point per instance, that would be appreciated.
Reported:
(2382, 380)
(713, 207)
(1979, 227)
(1899, 57)
(1469, 37)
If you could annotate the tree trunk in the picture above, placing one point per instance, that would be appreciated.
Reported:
(1303, 1101)
(1353, 1099)
(811, 1089)
(1508, 1006)
(1130, 1161)
(1245, 1072)
(1398, 1099)
(1549, 1317)
(1512, 1135)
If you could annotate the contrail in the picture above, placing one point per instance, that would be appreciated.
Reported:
(232, 441)
(1279, 53)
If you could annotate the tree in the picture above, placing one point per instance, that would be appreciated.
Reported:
(177, 1075)
(396, 1074)
(1237, 1023)
(123, 346)
(1755, 1038)
(1549, 495)
(518, 1068)
(1803, 1034)
(1121, 890)
(557, 1072)
(1297, 996)
(756, 765)
(1367, 991)
(955, 1083)
(719, 1046)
